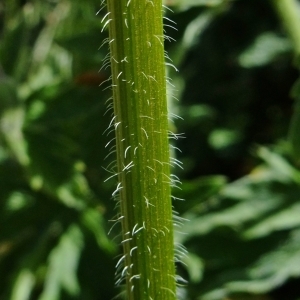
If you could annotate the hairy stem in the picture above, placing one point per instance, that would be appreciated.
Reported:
(143, 159)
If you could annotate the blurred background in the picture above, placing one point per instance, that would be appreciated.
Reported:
(236, 89)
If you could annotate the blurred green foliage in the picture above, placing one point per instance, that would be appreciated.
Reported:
(241, 180)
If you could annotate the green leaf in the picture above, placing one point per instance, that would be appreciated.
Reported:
(282, 169)
(223, 138)
(199, 192)
(273, 268)
(264, 50)
(63, 262)
(93, 220)
(195, 267)
(11, 128)
(8, 93)
(234, 217)
(23, 285)
(283, 220)
(189, 3)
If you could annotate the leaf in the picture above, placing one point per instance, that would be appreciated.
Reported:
(189, 3)
(274, 268)
(8, 93)
(63, 263)
(234, 217)
(264, 50)
(23, 285)
(282, 169)
(283, 220)
(195, 267)
(12, 46)
(223, 138)
(11, 128)
(199, 193)
(17, 201)
(191, 35)
(216, 294)
(93, 220)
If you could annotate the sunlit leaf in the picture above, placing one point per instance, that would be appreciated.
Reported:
(11, 128)
(285, 219)
(23, 285)
(63, 263)
(234, 217)
(264, 50)
(282, 168)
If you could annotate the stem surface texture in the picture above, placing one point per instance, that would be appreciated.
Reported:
(143, 159)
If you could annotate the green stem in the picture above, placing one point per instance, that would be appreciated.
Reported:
(288, 12)
(143, 158)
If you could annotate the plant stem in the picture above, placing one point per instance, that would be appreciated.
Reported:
(143, 158)
(288, 12)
